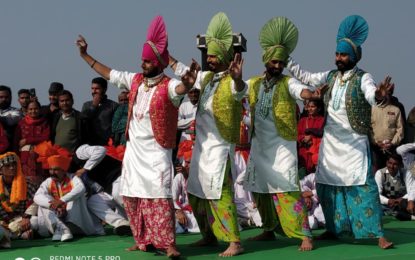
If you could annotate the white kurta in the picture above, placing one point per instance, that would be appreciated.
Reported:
(343, 156)
(180, 195)
(187, 113)
(211, 151)
(147, 167)
(78, 212)
(272, 164)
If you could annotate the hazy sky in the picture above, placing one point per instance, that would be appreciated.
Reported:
(37, 37)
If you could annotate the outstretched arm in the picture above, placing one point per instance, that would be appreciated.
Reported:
(100, 68)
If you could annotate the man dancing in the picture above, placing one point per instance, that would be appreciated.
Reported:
(151, 134)
(344, 181)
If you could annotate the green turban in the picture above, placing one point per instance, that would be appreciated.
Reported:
(219, 38)
(278, 38)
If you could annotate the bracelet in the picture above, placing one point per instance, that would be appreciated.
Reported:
(173, 63)
(93, 63)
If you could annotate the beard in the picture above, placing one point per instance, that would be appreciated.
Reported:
(344, 66)
(273, 72)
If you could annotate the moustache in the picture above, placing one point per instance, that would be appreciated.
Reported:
(338, 63)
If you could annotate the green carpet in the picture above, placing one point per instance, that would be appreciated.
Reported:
(112, 247)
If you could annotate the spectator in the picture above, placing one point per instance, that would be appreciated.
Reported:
(24, 99)
(9, 116)
(31, 130)
(119, 121)
(310, 132)
(53, 107)
(101, 176)
(387, 131)
(16, 198)
(187, 112)
(99, 113)
(62, 203)
(410, 127)
(68, 128)
(4, 143)
(396, 189)
(309, 193)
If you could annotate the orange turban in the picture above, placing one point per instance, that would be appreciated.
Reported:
(59, 161)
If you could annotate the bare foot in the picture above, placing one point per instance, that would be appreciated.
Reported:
(234, 249)
(306, 245)
(172, 252)
(264, 236)
(384, 243)
(205, 242)
(327, 235)
(132, 248)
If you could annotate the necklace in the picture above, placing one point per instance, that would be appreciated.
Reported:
(208, 89)
(266, 98)
(148, 85)
(341, 88)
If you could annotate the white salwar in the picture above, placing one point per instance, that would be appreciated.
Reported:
(77, 210)
(211, 151)
(147, 166)
(102, 204)
(180, 195)
(343, 156)
(272, 164)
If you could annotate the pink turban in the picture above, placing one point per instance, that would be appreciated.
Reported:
(155, 47)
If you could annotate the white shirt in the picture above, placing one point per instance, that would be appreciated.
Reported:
(408, 158)
(272, 165)
(343, 155)
(187, 113)
(147, 167)
(180, 191)
(409, 184)
(211, 151)
(43, 197)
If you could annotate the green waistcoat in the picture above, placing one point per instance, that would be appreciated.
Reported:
(226, 110)
(357, 108)
(284, 107)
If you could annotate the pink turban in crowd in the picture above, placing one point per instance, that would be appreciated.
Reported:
(155, 47)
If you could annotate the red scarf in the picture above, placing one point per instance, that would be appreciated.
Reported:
(34, 121)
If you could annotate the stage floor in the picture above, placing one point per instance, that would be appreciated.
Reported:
(112, 247)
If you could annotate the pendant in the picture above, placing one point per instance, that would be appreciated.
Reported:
(146, 88)
(266, 90)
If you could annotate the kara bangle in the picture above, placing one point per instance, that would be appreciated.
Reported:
(93, 63)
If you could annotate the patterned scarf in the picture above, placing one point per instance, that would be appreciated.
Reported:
(58, 191)
(19, 187)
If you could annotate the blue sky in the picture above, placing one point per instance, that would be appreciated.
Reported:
(37, 37)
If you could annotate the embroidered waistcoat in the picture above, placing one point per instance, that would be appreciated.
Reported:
(163, 113)
(226, 110)
(357, 108)
(283, 107)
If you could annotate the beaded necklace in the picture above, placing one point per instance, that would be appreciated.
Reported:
(209, 87)
(143, 97)
(341, 88)
(266, 97)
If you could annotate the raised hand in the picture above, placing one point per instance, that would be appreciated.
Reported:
(235, 68)
(82, 45)
(189, 78)
(385, 88)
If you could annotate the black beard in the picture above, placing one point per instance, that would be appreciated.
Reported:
(341, 66)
